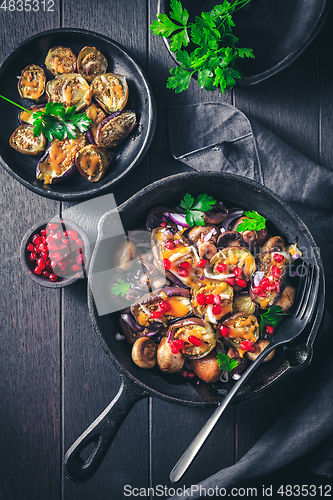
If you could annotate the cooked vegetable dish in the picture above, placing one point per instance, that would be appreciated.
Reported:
(205, 296)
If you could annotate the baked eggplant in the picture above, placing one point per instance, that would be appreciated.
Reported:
(91, 63)
(166, 304)
(92, 162)
(26, 116)
(241, 330)
(110, 91)
(60, 60)
(114, 129)
(96, 115)
(31, 84)
(58, 163)
(24, 141)
(231, 262)
(70, 90)
(197, 336)
(212, 301)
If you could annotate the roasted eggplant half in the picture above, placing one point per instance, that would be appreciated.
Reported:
(60, 60)
(114, 129)
(243, 303)
(92, 162)
(241, 330)
(212, 301)
(31, 84)
(91, 63)
(24, 141)
(25, 116)
(162, 306)
(232, 262)
(58, 163)
(194, 337)
(273, 262)
(96, 115)
(110, 91)
(70, 90)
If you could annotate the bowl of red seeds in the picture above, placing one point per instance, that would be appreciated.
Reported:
(55, 253)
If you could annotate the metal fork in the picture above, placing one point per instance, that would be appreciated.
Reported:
(288, 331)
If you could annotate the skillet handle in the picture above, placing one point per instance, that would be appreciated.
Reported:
(101, 432)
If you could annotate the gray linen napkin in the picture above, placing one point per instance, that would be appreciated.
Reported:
(219, 137)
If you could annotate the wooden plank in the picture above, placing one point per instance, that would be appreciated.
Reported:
(29, 325)
(90, 380)
(279, 104)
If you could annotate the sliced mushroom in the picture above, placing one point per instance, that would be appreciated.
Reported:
(259, 347)
(254, 239)
(207, 368)
(166, 360)
(125, 254)
(217, 214)
(230, 239)
(144, 353)
(286, 299)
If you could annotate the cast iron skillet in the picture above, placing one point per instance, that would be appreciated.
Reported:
(277, 30)
(128, 155)
(137, 383)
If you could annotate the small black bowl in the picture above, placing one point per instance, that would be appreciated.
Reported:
(28, 265)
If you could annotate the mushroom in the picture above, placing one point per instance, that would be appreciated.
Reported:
(205, 237)
(217, 214)
(242, 362)
(253, 239)
(207, 368)
(230, 239)
(166, 360)
(144, 352)
(125, 254)
(286, 299)
(259, 347)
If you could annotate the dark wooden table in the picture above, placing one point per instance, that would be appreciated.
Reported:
(55, 378)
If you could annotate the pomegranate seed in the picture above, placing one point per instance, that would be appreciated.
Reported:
(224, 330)
(217, 299)
(221, 268)
(43, 239)
(43, 247)
(237, 272)
(210, 299)
(43, 232)
(41, 264)
(278, 257)
(44, 255)
(49, 239)
(53, 277)
(165, 306)
(264, 283)
(277, 286)
(184, 373)
(65, 241)
(230, 281)
(48, 263)
(53, 264)
(270, 329)
(246, 345)
(156, 314)
(170, 245)
(163, 224)
(57, 236)
(37, 240)
(201, 299)
(166, 264)
(76, 268)
(194, 340)
(217, 309)
(46, 274)
(190, 374)
(271, 287)
(183, 272)
(259, 291)
(184, 265)
(276, 271)
(66, 233)
(202, 263)
(30, 248)
(52, 226)
(241, 283)
(33, 256)
(79, 242)
(37, 270)
(79, 259)
(179, 343)
(53, 247)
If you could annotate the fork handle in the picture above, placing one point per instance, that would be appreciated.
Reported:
(187, 457)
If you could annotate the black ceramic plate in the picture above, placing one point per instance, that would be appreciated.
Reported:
(277, 30)
(129, 154)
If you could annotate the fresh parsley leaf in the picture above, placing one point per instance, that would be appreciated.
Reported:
(245, 53)
(225, 362)
(120, 288)
(271, 317)
(178, 13)
(194, 210)
(254, 222)
(180, 79)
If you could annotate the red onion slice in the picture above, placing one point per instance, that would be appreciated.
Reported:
(178, 219)
(235, 213)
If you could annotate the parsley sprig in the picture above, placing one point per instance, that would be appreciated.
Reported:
(194, 210)
(214, 59)
(254, 222)
(271, 317)
(120, 288)
(225, 362)
(56, 122)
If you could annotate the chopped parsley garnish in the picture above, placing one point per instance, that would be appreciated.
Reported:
(120, 288)
(225, 362)
(253, 222)
(194, 210)
(215, 56)
(271, 317)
